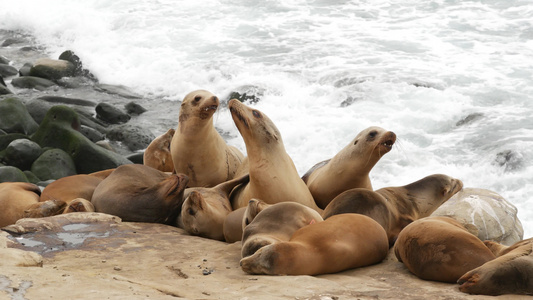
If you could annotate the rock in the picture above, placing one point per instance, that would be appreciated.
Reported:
(92, 134)
(7, 70)
(53, 164)
(485, 214)
(510, 160)
(135, 109)
(13, 40)
(136, 158)
(25, 69)
(31, 177)
(2, 132)
(2, 82)
(66, 100)
(133, 136)
(20, 258)
(4, 90)
(22, 153)
(31, 82)
(8, 138)
(469, 119)
(14, 117)
(75, 60)
(4, 60)
(119, 90)
(12, 174)
(247, 93)
(52, 69)
(110, 114)
(59, 129)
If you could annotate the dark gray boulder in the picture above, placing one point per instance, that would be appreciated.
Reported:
(53, 164)
(12, 174)
(111, 114)
(133, 136)
(22, 153)
(14, 117)
(7, 70)
(32, 82)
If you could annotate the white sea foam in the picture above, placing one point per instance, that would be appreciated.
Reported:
(413, 67)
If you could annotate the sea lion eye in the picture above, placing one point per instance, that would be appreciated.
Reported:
(372, 134)
(190, 211)
(246, 222)
(256, 114)
(197, 98)
(355, 143)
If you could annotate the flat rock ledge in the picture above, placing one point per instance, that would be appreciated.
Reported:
(96, 256)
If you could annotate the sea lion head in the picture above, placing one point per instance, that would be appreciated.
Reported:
(254, 207)
(199, 104)
(256, 128)
(197, 219)
(157, 155)
(373, 140)
(432, 191)
(79, 205)
(45, 209)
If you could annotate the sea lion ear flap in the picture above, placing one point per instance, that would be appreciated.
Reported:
(196, 200)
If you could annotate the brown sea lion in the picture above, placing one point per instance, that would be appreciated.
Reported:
(276, 223)
(197, 148)
(232, 226)
(102, 174)
(47, 208)
(157, 155)
(510, 273)
(339, 243)
(15, 197)
(349, 168)
(396, 207)
(79, 205)
(273, 176)
(138, 193)
(71, 187)
(440, 249)
(204, 209)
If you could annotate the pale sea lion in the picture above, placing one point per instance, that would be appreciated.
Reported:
(71, 187)
(197, 148)
(204, 209)
(396, 207)
(339, 243)
(46, 208)
(440, 249)
(138, 193)
(276, 223)
(157, 155)
(349, 168)
(15, 197)
(232, 226)
(273, 176)
(79, 205)
(510, 273)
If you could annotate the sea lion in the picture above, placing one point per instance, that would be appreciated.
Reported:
(254, 207)
(45, 209)
(71, 187)
(197, 148)
(204, 209)
(350, 167)
(157, 155)
(396, 207)
(15, 197)
(79, 205)
(276, 223)
(339, 243)
(510, 273)
(273, 176)
(102, 174)
(232, 226)
(440, 249)
(138, 193)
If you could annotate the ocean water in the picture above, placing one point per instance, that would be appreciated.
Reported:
(453, 79)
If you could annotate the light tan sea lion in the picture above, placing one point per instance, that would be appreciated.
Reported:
(276, 223)
(197, 148)
(47, 208)
(232, 227)
(339, 243)
(349, 168)
(273, 176)
(71, 187)
(396, 207)
(204, 209)
(79, 205)
(440, 249)
(157, 155)
(510, 273)
(15, 197)
(138, 193)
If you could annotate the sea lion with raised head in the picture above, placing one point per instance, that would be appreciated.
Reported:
(197, 148)
(204, 209)
(275, 223)
(440, 249)
(510, 273)
(349, 168)
(138, 193)
(157, 155)
(15, 198)
(396, 207)
(273, 176)
(339, 243)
